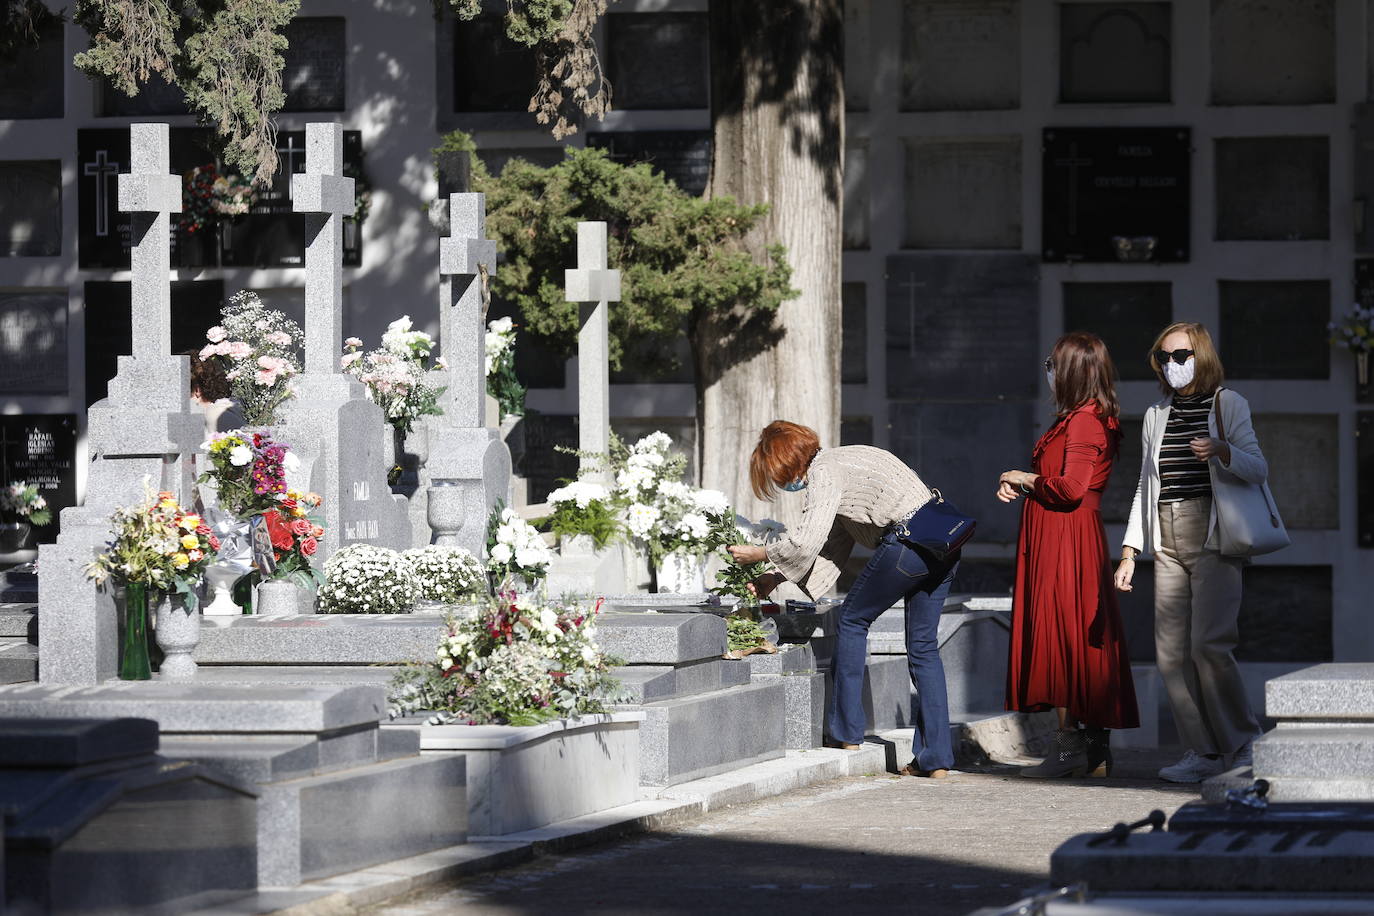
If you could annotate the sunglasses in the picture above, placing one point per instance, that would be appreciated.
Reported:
(1178, 356)
(1049, 364)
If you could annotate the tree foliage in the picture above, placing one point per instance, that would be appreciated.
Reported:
(22, 25)
(681, 257)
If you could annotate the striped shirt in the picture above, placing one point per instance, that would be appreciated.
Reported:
(1181, 474)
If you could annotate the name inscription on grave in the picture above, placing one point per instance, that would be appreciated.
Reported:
(41, 449)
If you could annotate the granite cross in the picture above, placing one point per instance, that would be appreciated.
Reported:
(593, 286)
(462, 337)
(325, 197)
(151, 194)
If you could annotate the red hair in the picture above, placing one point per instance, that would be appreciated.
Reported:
(1084, 371)
(783, 454)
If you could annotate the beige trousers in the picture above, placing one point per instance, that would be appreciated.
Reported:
(1197, 607)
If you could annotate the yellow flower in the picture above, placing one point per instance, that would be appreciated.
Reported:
(189, 522)
(190, 541)
(170, 504)
(298, 512)
(181, 561)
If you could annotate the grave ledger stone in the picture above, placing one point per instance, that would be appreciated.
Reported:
(141, 436)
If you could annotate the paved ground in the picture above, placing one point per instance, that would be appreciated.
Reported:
(873, 844)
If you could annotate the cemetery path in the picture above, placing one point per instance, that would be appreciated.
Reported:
(867, 844)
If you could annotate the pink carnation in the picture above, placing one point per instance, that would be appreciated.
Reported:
(237, 350)
(353, 342)
(280, 338)
(215, 334)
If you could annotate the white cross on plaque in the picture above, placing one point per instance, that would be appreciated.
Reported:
(102, 170)
(462, 338)
(1073, 162)
(292, 153)
(593, 286)
(325, 197)
(151, 194)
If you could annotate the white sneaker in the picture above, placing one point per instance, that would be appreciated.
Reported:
(1245, 757)
(1193, 768)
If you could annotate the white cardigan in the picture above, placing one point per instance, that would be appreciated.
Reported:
(1247, 463)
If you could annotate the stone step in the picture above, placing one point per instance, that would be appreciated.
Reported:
(1337, 691)
(654, 683)
(1320, 752)
(272, 758)
(18, 662)
(19, 620)
(660, 639)
(696, 736)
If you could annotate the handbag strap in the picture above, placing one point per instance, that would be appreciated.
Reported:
(1216, 409)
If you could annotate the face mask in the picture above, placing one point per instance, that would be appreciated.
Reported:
(1049, 379)
(794, 486)
(1179, 376)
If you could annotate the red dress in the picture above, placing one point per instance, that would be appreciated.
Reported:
(1067, 644)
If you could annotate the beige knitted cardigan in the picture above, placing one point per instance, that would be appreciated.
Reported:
(852, 494)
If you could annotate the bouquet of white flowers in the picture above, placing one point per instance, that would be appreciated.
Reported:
(515, 548)
(582, 507)
(363, 579)
(396, 376)
(501, 381)
(446, 574)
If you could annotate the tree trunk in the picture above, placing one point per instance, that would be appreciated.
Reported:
(777, 95)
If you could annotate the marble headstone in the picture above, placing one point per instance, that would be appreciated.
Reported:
(658, 60)
(961, 56)
(1273, 52)
(594, 287)
(1274, 329)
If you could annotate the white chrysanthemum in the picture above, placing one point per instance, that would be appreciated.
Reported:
(675, 490)
(694, 525)
(712, 502)
(240, 455)
(640, 519)
(581, 492)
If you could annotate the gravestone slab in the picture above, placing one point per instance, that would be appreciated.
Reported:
(1303, 452)
(658, 60)
(854, 340)
(961, 56)
(963, 327)
(314, 72)
(1270, 630)
(41, 449)
(1127, 316)
(32, 81)
(1275, 329)
(856, 194)
(1273, 53)
(961, 449)
(1099, 184)
(1114, 52)
(1273, 188)
(1364, 478)
(31, 208)
(33, 343)
(490, 72)
(682, 155)
(1363, 189)
(963, 192)
(156, 98)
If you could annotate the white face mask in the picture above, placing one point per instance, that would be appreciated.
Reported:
(1179, 376)
(1049, 379)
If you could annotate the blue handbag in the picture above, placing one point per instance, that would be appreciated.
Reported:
(938, 528)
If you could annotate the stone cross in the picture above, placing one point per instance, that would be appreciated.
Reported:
(593, 286)
(151, 194)
(325, 197)
(461, 333)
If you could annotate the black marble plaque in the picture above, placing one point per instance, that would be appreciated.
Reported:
(682, 155)
(33, 343)
(1275, 329)
(1114, 52)
(1364, 477)
(1285, 614)
(156, 98)
(1127, 316)
(455, 172)
(1101, 184)
(490, 72)
(963, 327)
(109, 334)
(41, 449)
(270, 234)
(854, 334)
(542, 465)
(1273, 188)
(315, 73)
(31, 83)
(31, 208)
(658, 60)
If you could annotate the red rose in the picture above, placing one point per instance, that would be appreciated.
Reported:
(301, 527)
(309, 546)
(202, 528)
(279, 530)
(214, 542)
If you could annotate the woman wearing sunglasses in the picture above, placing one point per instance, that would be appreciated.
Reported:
(1197, 589)
(1068, 651)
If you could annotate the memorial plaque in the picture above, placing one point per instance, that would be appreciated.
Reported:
(856, 195)
(959, 55)
(41, 449)
(1127, 316)
(1114, 52)
(32, 81)
(31, 208)
(856, 431)
(155, 98)
(658, 60)
(854, 334)
(271, 234)
(1275, 329)
(963, 327)
(103, 153)
(1303, 453)
(1285, 614)
(491, 72)
(1362, 188)
(1102, 185)
(1116, 499)
(858, 61)
(314, 72)
(963, 193)
(1273, 52)
(542, 465)
(962, 449)
(33, 343)
(1273, 188)
(109, 334)
(682, 155)
(1364, 478)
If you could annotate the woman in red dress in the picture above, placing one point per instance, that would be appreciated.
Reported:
(1068, 652)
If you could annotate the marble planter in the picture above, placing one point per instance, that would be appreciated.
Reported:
(278, 598)
(521, 778)
(681, 573)
(177, 633)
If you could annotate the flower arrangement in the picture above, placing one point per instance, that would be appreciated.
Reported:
(518, 663)
(364, 579)
(583, 507)
(207, 195)
(446, 574)
(396, 377)
(248, 470)
(295, 538)
(259, 346)
(1355, 331)
(500, 367)
(515, 548)
(158, 544)
(21, 500)
(734, 578)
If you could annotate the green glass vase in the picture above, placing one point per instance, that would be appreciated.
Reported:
(133, 657)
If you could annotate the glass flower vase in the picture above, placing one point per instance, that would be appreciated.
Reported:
(133, 656)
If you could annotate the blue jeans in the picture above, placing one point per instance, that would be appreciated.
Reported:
(896, 572)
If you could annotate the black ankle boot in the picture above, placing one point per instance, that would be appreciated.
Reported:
(1067, 757)
(1098, 750)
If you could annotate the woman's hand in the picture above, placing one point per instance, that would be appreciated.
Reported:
(1014, 483)
(1124, 571)
(764, 584)
(745, 554)
(1007, 493)
(1205, 448)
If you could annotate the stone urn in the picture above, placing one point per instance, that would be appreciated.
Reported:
(681, 573)
(277, 598)
(220, 579)
(177, 631)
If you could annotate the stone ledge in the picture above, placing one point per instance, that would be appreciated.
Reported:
(501, 737)
(328, 639)
(660, 639)
(1332, 691)
(1316, 752)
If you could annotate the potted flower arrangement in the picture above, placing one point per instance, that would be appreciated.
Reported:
(582, 509)
(364, 579)
(21, 507)
(259, 347)
(159, 552)
(517, 557)
(502, 383)
(446, 575)
(295, 537)
(1355, 332)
